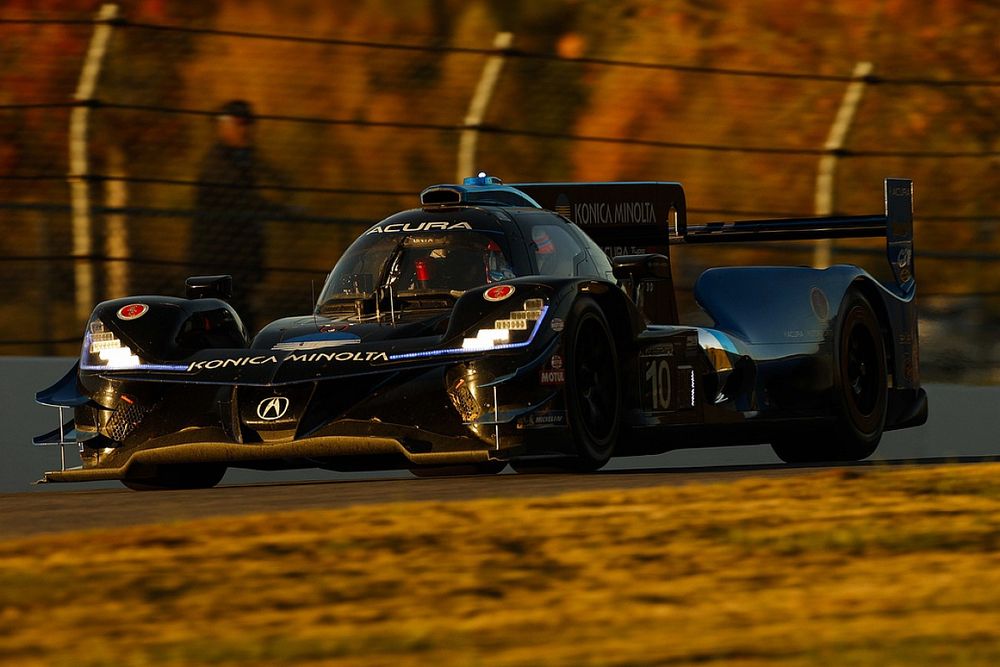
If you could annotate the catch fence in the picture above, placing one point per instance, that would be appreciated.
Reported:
(99, 185)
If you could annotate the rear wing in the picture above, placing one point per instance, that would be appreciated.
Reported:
(896, 225)
(633, 218)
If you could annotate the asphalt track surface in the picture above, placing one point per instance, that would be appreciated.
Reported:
(25, 514)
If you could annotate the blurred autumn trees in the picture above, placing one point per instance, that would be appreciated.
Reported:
(338, 117)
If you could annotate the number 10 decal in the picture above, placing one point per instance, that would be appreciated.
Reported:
(656, 388)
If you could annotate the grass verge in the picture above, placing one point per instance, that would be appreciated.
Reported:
(870, 567)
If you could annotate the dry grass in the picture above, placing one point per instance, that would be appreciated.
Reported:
(861, 568)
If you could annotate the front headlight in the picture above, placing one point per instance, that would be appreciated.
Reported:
(512, 333)
(104, 351)
(504, 330)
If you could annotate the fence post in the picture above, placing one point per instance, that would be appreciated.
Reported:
(477, 107)
(79, 163)
(116, 245)
(826, 175)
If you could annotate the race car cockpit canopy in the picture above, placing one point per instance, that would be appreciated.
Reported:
(421, 263)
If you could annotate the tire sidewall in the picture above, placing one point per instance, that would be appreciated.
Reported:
(593, 451)
(860, 426)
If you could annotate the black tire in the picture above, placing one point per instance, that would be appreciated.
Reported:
(593, 386)
(485, 468)
(180, 476)
(861, 388)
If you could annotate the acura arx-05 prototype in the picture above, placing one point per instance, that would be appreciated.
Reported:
(534, 325)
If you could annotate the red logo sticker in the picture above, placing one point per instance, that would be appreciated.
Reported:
(133, 311)
(498, 292)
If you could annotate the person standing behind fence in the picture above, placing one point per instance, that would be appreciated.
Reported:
(228, 231)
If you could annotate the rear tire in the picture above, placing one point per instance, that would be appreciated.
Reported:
(179, 476)
(861, 389)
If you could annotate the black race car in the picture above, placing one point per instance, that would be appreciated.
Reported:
(533, 324)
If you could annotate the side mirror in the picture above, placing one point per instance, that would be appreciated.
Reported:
(209, 287)
(637, 268)
(646, 279)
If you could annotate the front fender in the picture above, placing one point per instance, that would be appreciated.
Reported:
(164, 328)
(479, 308)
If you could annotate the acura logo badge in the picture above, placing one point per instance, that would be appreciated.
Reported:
(272, 408)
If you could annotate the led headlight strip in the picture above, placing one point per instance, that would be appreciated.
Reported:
(103, 351)
(487, 339)
(496, 338)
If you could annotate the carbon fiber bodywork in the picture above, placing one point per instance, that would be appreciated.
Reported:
(397, 379)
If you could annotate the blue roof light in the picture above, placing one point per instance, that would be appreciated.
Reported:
(482, 179)
(481, 190)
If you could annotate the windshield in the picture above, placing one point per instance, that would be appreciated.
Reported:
(416, 264)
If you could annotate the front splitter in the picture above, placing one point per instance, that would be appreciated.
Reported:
(233, 454)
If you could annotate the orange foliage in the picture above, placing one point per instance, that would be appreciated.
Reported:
(357, 86)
